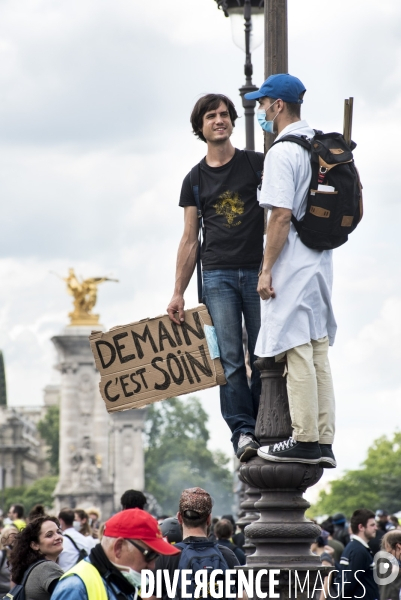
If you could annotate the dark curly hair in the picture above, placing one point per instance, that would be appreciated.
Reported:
(204, 105)
(22, 555)
(37, 511)
(133, 499)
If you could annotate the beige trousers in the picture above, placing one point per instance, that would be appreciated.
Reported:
(310, 392)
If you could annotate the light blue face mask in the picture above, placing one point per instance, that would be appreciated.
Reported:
(132, 576)
(267, 126)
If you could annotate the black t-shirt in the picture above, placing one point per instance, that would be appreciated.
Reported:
(232, 217)
(171, 562)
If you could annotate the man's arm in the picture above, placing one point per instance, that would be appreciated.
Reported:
(70, 588)
(186, 261)
(278, 228)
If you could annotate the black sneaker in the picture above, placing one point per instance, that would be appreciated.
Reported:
(292, 451)
(247, 447)
(328, 460)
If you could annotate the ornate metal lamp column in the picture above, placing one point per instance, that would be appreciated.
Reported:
(249, 105)
(250, 10)
(282, 535)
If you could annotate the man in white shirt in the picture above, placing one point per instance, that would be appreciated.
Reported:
(295, 282)
(71, 552)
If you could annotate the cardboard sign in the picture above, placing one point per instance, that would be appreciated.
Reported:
(155, 359)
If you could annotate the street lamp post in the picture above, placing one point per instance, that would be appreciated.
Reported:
(276, 45)
(245, 13)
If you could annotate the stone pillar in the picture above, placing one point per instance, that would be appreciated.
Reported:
(282, 535)
(127, 452)
(85, 474)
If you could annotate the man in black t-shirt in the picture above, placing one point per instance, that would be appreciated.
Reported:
(232, 250)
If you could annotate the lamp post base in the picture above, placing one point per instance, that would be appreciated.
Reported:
(282, 536)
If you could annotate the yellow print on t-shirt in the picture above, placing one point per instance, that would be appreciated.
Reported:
(231, 206)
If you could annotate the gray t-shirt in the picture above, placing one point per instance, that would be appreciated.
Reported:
(5, 582)
(39, 580)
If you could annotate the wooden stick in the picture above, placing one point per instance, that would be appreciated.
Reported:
(348, 111)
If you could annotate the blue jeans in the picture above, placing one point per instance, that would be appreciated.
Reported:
(229, 294)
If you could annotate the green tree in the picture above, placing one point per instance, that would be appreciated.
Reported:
(9, 496)
(177, 456)
(376, 485)
(40, 492)
(49, 429)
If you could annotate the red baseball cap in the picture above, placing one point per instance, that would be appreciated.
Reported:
(137, 524)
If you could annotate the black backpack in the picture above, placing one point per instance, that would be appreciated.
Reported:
(18, 591)
(82, 553)
(331, 215)
(199, 555)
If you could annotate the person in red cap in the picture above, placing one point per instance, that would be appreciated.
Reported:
(131, 542)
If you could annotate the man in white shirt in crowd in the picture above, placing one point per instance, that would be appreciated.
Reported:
(71, 552)
(295, 282)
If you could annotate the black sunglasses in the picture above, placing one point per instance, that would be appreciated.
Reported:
(148, 555)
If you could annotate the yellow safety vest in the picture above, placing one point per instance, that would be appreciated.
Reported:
(20, 524)
(91, 578)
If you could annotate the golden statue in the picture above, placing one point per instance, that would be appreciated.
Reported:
(85, 296)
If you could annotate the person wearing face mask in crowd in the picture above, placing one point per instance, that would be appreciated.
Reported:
(74, 541)
(295, 282)
(81, 524)
(131, 542)
(94, 515)
(39, 544)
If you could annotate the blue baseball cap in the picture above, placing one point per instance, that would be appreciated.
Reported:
(283, 86)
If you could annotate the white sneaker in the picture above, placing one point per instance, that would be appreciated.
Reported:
(247, 447)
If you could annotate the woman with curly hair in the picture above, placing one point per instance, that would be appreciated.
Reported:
(41, 542)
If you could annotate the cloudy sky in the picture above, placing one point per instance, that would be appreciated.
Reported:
(95, 140)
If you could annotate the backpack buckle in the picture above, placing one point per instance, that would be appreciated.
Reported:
(322, 174)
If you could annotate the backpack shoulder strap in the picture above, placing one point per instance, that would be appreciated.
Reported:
(3, 558)
(297, 139)
(194, 178)
(29, 570)
(180, 545)
(72, 540)
(218, 548)
(252, 156)
(305, 143)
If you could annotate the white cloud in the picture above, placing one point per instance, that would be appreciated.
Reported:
(380, 337)
(95, 141)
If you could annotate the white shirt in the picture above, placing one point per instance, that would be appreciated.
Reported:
(69, 555)
(359, 539)
(302, 277)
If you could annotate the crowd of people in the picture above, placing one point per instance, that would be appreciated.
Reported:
(350, 549)
(75, 555)
(53, 556)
